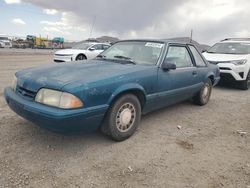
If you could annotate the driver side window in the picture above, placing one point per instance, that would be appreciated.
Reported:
(97, 47)
(179, 56)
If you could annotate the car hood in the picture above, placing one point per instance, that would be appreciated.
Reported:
(59, 75)
(70, 51)
(224, 57)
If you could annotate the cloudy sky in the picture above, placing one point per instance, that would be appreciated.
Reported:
(210, 20)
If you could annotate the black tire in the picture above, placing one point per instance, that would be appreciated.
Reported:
(81, 57)
(245, 85)
(203, 96)
(123, 118)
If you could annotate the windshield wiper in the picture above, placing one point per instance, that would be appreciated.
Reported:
(128, 59)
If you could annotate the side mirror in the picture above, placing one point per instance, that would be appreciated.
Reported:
(202, 51)
(168, 65)
(91, 49)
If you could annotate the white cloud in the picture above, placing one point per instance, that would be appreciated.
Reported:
(18, 21)
(12, 1)
(210, 20)
(50, 11)
(67, 25)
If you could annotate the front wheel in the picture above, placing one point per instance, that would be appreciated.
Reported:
(203, 96)
(123, 117)
(81, 57)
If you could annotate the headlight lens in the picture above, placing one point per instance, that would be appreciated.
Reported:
(58, 99)
(14, 84)
(239, 62)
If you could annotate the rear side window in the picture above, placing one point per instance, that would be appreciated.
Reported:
(179, 56)
(198, 59)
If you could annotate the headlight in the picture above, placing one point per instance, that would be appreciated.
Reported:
(239, 62)
(58, 99)
(14, 83)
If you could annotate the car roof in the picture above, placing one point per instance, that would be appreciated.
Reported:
(235, 40)
(93, 43)
(166, 41)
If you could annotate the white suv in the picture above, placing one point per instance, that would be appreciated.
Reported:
(232, 55)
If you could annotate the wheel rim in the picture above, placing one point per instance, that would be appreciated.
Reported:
(125, 117)
(80, 57)
(206, 92)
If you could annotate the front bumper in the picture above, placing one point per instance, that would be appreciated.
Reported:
(216, 81)
(62, 58)
(54, 119)
(237, 73)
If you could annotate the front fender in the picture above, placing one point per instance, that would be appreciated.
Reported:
(126, 88)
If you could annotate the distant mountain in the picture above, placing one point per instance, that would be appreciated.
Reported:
(201, 47)
(107, 39)
(99, 39)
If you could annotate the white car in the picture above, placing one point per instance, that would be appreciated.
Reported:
(81, 51)
(5, 42)
(233, 58)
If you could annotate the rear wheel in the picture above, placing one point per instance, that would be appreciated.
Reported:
(80, 57)
(123, 118)
(245, 85)
(204, 94)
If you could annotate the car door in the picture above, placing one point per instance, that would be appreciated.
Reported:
(200, 64)
(181, 83)
(95, 50)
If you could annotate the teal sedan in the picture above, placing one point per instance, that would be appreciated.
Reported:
(110, 93)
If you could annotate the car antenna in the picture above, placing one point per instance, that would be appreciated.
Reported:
(191, 35)
(92, 26)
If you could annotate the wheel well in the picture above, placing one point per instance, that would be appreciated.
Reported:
(211, 78)
(81, 54)
(138, 93)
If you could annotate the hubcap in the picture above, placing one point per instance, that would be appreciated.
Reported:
(205, 93)
(125, 117)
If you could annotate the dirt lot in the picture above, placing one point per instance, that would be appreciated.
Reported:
(206, 152)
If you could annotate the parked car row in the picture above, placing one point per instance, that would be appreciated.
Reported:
(232, 55)
(115, 84)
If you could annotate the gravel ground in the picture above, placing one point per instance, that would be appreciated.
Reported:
(206, 152)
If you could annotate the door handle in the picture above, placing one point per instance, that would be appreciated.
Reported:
(194, 73)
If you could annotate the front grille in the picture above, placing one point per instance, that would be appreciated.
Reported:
(224, 68)
(25, 92)
(63, 54)
(227, 77)
(58, 61)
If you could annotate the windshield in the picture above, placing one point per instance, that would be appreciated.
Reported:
(139, 52)
(82, 46)
(230, 48)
